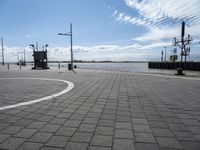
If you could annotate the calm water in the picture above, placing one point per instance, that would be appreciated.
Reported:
(132, 67)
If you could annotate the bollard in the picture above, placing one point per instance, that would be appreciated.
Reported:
(8, 66)
(59, 66)
(20, 66)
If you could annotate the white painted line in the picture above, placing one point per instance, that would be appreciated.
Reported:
(70, 87)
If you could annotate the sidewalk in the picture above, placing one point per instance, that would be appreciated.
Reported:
(105, 110)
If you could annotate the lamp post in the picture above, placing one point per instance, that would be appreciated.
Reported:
(2, 50)
(45, 47)
(32, 46)
(69, 34)
(165, 53)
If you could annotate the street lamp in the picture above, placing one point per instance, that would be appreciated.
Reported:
(69, 34)
(165, 53)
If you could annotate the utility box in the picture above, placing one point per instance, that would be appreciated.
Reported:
(40, 60)
(69, 66)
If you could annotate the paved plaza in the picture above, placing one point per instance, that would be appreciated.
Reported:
(104, 111)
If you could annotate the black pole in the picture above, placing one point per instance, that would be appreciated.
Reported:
(71, 46)
(182, 40)
(2, 50)
(24, 58)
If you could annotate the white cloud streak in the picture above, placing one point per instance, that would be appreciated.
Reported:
(162, 18)
(99, 52)
(158, 11)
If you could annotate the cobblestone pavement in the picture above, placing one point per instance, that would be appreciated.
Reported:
(105, 111)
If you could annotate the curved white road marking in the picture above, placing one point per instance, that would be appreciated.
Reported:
(70, 87)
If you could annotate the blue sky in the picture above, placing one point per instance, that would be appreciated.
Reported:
(102, 29)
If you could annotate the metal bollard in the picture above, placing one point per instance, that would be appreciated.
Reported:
(59, 66)
(20, 66)
(8, 66)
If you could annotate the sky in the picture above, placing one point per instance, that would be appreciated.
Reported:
(117, 30)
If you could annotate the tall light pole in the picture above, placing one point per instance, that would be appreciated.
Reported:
(2, 50)
(165, 53)
(24, 57)
(45, 48)
(69, 34)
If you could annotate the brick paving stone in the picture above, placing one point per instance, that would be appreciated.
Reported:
(26, 133)
(12, 119)
(77, 117)
(30, 146)
(12, 143)
(45, 118)
(123, 144)
(123, 119)
(57, 141)
(93, 115)
(81, 137)
(40, 137)
(138, 115)
(3, 137)
(102, 140)
(87, 127)
(76, 146)
(123, 125)
(11, 129)
(107, 123)
(3, 125)
(195, 129)
(185, 136)
(50, 128)
(146, 146)
(144, 137)
(64, 115)
(72, 123)
(120, 133)
(32, 116)
(158, 124)
(98, 148)
(162, 132)
(165, 142)
(59, 121)
(190, 145)
(139, 121)
(50, 148)
(36, 125)
(52, 113)
(178, 127)
(67, 131)
(108, 116)
(104, 130)
(90, 120)
(141, 128)
(23, 122)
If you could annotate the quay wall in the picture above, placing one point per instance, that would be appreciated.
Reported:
(195, 66)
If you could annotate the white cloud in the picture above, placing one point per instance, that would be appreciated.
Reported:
(98, 52)
(156, 45)
(159, 10)
(156, 34)
(162, 18)
(121, 17)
